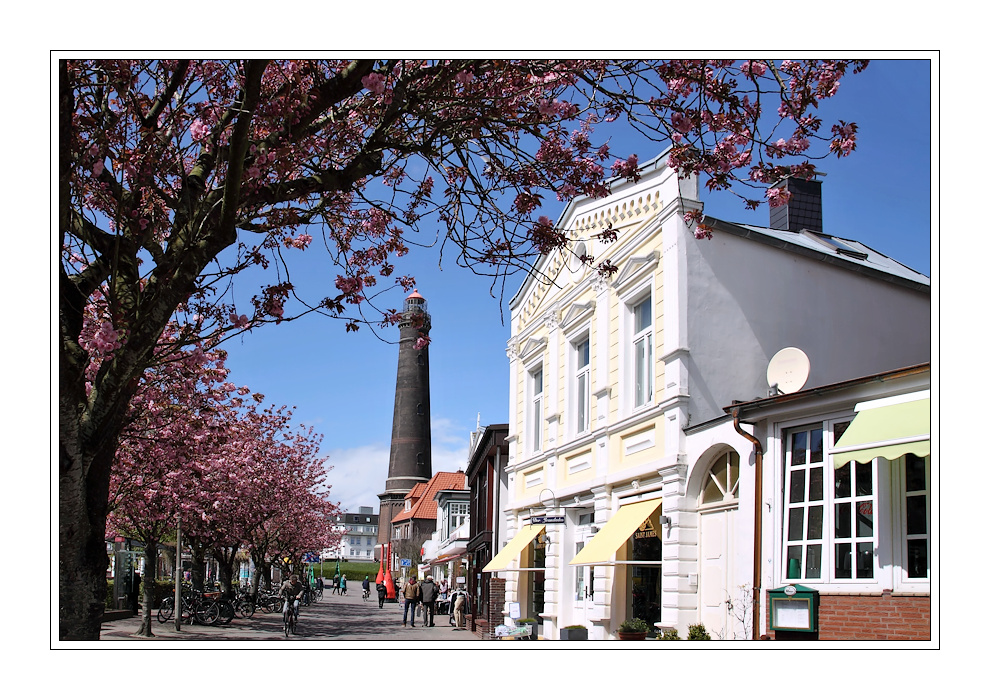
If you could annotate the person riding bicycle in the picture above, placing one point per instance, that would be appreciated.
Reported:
(292, 590)
(366, 587)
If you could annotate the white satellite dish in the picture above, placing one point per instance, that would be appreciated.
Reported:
(788, 370)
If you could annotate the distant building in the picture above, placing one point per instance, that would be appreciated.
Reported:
(488, 485)
(358, 536)
(418, 520)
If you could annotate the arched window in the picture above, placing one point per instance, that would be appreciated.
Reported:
(721, 485)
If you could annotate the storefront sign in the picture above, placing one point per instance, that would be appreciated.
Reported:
(547, 520)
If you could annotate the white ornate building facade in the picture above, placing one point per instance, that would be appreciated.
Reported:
(630, 492)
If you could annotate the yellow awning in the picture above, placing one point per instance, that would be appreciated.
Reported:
(887, 428)
(501, 561)
(620, 527)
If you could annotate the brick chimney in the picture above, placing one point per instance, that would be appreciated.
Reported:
(804, 210)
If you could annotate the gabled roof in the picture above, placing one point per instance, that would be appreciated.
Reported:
(425, 505)
(843, 252)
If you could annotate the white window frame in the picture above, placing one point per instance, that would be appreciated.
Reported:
(889, 537)
(535, 407)
(457, 515)
(643, 370)
(630, 298)
(581, 374)
(899, 494)
(827, 504)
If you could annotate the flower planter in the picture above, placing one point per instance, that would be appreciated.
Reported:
(632, 636)
(576, 634)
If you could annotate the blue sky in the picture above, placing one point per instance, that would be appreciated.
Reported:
(344, 383)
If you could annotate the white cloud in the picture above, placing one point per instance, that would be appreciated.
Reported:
(358, 474)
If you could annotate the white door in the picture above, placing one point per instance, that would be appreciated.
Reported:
(583, 590)
(720, 599)
(716, 584)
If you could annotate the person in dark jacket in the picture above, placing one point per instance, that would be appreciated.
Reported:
(429, 591)
(382, 592)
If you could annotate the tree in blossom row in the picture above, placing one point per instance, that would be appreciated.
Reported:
(200, 452)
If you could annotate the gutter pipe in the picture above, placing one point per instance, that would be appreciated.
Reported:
(757, 522)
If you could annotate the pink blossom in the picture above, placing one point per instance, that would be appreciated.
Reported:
(239, 321)
(98, 168)
(681, 122)
(628, 168)
(465, 77)
(107, 339)
(422, 342)
(374, 83)
(778, 197)
(753, 68)
(198, 130)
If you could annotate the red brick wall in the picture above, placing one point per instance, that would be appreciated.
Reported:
(496, 604)
(871, 618)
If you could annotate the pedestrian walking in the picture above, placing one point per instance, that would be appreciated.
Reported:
(459, 608)
(382, 592)
(343, 584)
(336, 583)
(410, 594)
(429, 592)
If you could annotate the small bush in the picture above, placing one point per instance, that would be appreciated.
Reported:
(634, 625)
(574, 627)
(698, 632)
(669, 635)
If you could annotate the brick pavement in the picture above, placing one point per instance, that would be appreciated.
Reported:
(335, 618)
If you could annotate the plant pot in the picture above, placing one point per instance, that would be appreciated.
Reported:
(574, 634)
(632, 636)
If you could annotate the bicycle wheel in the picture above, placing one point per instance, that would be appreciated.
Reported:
(208, 614)
(244, 608)
(226, 612)
(287, 620)
(166, 610)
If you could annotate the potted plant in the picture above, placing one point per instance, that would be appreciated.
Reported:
(634, 629)
(698, 632)
(574, 633)
(531, 623)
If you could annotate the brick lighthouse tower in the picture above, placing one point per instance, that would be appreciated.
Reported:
(409, 461)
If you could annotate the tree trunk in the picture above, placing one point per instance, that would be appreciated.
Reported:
(225, 557)
(148, 578)
(198, 563)
(83, 487)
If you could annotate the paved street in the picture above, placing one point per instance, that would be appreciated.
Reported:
(336, 618)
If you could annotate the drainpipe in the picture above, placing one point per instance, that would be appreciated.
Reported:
(757, 522)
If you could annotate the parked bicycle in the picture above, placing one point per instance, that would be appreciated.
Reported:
(194, 607)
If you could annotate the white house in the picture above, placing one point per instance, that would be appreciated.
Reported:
(618, 388)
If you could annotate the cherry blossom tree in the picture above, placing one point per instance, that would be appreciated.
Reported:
(175, 427)
(176, 177)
